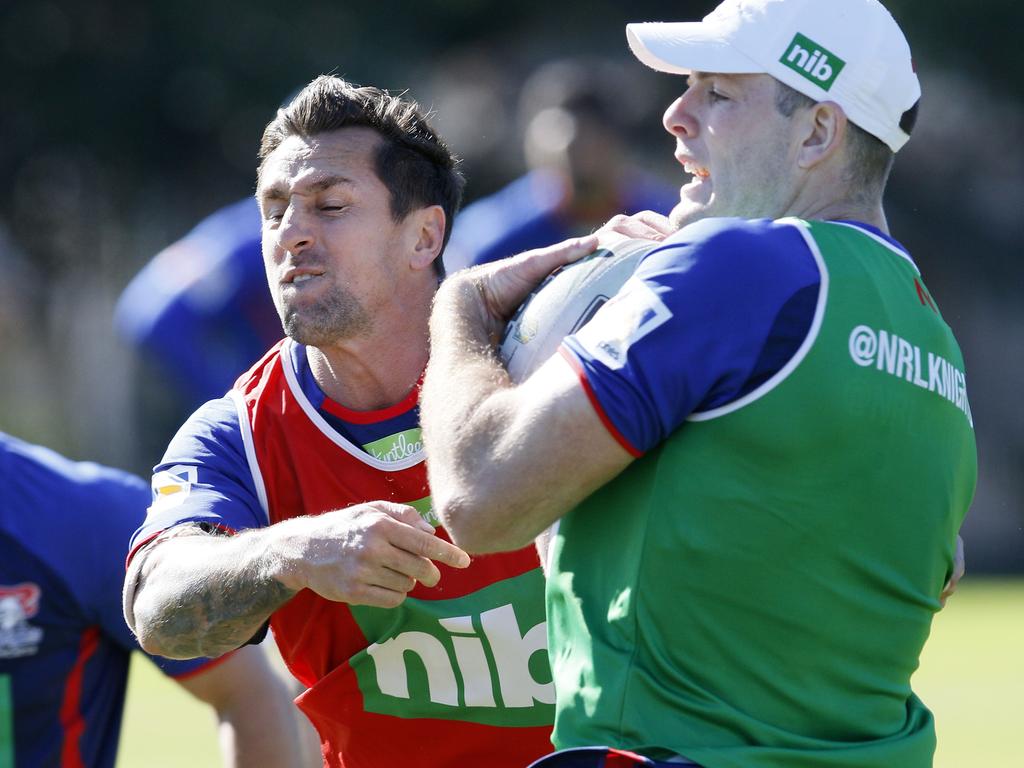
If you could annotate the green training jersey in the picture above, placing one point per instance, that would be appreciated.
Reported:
(756, 591)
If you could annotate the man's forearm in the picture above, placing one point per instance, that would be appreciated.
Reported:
(463, 349)
(471, 424)
(191, 594)
(457, 429)
(203, 595)
(504, 458)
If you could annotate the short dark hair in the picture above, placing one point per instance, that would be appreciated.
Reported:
(869, 159)
(412, 161)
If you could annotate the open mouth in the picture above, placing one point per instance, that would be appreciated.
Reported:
(697, 171)
(300, 276)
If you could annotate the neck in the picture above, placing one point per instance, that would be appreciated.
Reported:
(829, 194)
(367, 379)
(376, 369)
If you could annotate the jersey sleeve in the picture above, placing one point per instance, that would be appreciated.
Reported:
(204, 477)
(718, 309)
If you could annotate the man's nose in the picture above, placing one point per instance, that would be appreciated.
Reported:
(295, 233)
(679, 119)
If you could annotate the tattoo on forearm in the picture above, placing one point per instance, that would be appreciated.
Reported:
(217, 613)
(219, 616)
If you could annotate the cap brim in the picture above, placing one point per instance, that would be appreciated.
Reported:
(687, 46)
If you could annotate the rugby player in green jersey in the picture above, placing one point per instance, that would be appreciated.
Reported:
(760, 451)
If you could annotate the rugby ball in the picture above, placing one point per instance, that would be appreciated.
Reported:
(567, 299)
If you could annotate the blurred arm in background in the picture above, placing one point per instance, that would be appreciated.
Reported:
(201, 310)
(257, 723)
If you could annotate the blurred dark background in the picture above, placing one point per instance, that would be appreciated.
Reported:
(124, 123)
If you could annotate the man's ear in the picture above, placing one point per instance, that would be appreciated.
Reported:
(429, 224)
(824, 134)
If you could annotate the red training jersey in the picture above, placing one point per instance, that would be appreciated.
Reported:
(458, 674)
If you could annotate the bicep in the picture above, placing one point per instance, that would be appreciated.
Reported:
(560, 427)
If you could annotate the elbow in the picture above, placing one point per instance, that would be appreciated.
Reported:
(471, 537)
(147, 632)
(149, 639)
(166, 628)
(139, 613)
(479, 526)
(157, 643)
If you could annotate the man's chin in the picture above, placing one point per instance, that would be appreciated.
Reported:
(326, 329)
(306, 333)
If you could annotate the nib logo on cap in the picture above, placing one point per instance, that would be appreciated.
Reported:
(812, 61)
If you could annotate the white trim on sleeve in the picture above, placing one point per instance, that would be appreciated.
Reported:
(812, 334)
(250, 450)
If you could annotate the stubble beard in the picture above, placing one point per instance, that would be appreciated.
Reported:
(336, 316)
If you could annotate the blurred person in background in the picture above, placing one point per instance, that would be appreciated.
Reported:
(576, 116)
(300, 498)
(64, 646)
(758, 454)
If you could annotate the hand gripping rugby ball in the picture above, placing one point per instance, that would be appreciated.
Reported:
(564, 303)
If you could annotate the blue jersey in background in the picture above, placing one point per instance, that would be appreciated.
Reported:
(64, 645)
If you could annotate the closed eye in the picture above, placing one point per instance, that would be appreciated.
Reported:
(273, 206)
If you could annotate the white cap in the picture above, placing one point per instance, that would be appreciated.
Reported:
(851, 52)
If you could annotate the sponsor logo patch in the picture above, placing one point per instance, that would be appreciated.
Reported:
(397, 447)
(626, 318)
(479, 658)
(172, 486)
(425, 507)
(812, 61)
(19, 603)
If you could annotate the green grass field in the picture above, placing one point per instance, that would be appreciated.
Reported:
(164, 727)
(971, 676)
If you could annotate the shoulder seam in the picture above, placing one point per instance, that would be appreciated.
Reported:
(805, 347)
(881, 241)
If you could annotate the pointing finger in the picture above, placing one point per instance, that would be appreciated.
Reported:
(430, 546)
(447, 553)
